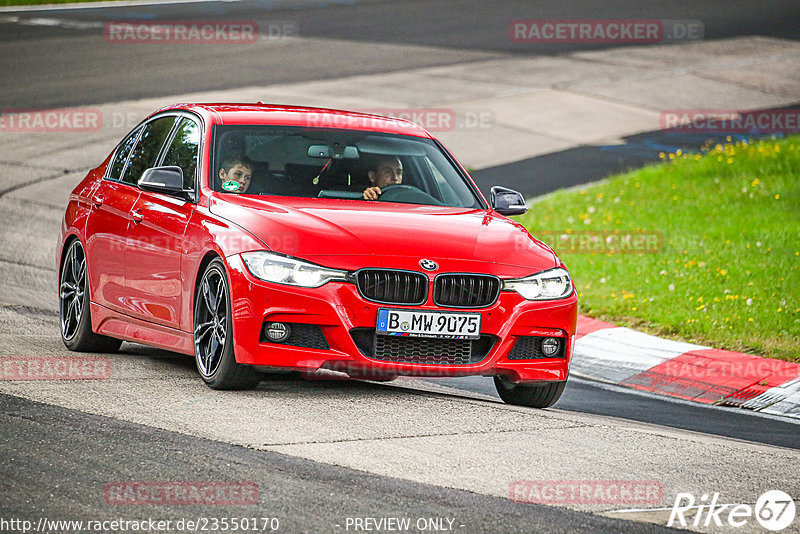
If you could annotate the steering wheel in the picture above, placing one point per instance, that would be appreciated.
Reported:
(407, 194)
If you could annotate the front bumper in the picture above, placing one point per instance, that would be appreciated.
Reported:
(339, 311)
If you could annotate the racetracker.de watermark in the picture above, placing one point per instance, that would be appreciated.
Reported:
(606, 242)
(55, 368)
(731, 121)
(555, 492)
(432, 119)
(181, 493)
(604, 31)
(692, 367)
(197, 32)
(50, 120)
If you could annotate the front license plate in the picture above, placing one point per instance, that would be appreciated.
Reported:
(415, 323)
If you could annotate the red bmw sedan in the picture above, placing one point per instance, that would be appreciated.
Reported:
(263, 237)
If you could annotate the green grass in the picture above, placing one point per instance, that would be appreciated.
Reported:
(723, 263)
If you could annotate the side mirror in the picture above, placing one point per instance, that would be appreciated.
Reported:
(167, 180)
(507, 201)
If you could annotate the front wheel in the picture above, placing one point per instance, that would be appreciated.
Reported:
(535, 396)
(73, 306)
(213, 334)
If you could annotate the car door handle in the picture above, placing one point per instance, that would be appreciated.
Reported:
(97, 200)
(137, 217)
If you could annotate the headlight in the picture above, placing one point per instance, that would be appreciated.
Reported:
(547, 285)
(283, 270)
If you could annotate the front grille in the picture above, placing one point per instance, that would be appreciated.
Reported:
(392, 287)
(421, 350)
(465, 290)
(302, 335)
(530, 348)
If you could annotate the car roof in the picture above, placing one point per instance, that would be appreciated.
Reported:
(311, 117)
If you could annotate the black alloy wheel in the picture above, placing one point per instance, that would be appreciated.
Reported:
(73, 305)
(213, 334)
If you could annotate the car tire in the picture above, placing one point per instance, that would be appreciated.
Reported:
(74, 311)
(213, 334)
(534, 396)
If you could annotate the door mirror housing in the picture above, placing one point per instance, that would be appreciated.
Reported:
(507, 201)
(167, 180)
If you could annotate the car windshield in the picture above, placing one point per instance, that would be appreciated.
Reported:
(338, 164)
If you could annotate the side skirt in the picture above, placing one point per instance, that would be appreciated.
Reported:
(121, 326)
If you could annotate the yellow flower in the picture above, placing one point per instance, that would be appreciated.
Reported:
(754, 182)
(777, 197)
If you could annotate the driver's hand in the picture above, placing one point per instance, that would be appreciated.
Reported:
(372, 193)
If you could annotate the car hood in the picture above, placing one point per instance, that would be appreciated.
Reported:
(338, 233)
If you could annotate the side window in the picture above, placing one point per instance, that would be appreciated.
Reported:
(118, 163)
(183, 151)
(146, 151)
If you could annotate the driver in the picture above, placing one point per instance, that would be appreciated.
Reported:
(385, 170)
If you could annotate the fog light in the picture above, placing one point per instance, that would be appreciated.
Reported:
(277, 332)
(550, 346)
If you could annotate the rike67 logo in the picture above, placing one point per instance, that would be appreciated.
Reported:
(774, 510)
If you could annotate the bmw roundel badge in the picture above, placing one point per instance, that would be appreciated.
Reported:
(428, 265)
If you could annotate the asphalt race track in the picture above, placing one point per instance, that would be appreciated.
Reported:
(305, 496)
(346, 38)
(323, 452)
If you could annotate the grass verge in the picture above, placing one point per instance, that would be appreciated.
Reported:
(703, 247)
